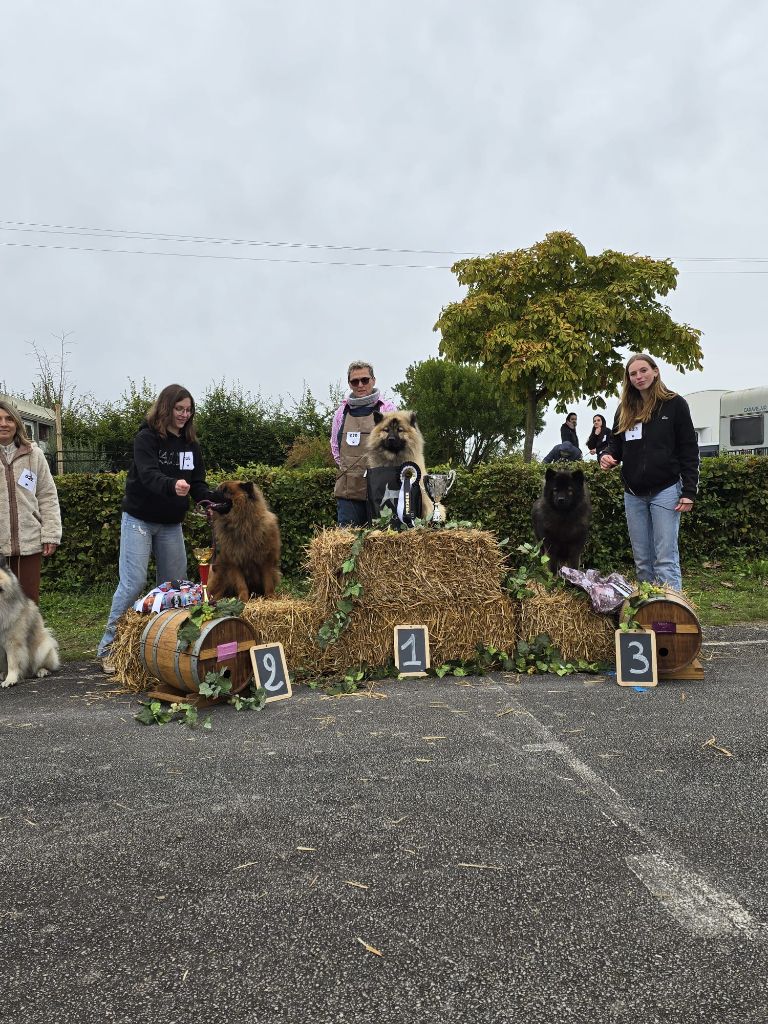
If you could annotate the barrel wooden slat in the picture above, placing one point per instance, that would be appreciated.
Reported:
(223, 643)
(677, 629)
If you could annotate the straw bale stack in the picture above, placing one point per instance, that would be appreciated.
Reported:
(455, 629)
(290, 622)
(126, 652)
(440, 567)
(573, 627)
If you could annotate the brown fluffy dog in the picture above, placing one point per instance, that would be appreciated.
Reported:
(246, 535)
(395, 439)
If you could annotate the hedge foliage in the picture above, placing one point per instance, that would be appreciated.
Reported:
(730, 515)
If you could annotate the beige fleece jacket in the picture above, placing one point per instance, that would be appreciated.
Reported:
(29, 516)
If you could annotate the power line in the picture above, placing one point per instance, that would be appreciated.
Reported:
(216, 256)
(64, 229)
(34, 227)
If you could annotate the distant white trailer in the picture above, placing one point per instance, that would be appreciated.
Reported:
(744, 422)
(705, 413)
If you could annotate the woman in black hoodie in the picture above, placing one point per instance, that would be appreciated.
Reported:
(655, 440)
(167, 468)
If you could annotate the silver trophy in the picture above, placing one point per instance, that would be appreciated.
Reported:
(438, 485)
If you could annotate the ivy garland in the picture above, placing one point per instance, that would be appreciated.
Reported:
(645, 591)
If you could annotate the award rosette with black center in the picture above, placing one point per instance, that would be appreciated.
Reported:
(396, 488)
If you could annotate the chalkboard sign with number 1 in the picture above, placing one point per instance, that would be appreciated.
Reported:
(412, 650)
(270, 672)
(636, 657)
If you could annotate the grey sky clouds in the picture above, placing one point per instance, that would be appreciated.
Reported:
(436, 125)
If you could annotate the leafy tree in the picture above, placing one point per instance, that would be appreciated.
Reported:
(236, 428)
(463, 412)
(551, 320)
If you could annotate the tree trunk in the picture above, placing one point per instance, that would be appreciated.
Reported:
(530, 424)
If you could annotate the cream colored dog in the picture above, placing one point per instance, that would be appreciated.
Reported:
(27, 648)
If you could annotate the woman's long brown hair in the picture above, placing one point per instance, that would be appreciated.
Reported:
(21, 432)
(160, 413)
(632, 408)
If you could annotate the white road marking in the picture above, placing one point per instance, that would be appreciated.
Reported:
(731, 643)
(695, 904)
(692, 901)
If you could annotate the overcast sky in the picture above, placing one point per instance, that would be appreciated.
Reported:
(418, 125)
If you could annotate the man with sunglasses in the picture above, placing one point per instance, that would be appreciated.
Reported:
(352, 423)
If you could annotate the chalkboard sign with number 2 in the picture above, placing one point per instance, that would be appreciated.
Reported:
(270, 672)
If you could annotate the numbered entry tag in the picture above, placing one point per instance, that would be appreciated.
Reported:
(634, 433)
(353, 438)
(28, 480)
(636, 657)
(412, 650)
(187, 460)
(270, 672)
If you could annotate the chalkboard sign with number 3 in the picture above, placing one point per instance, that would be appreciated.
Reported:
(636, 657)
(270, 672)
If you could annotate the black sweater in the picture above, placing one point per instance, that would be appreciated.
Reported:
(597, 443)
(568, 435)
(667, 451)
(158, 462)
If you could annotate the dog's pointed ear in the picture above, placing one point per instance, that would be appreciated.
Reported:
(578, 476)
(378, 416)
(247, 486)
(549, 474)
(413, 419)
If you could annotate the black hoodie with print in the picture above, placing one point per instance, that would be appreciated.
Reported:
(158, 462)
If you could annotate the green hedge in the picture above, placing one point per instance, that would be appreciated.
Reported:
(730, 516)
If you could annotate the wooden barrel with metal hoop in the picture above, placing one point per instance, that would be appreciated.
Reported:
(677, 629)
(223, 644)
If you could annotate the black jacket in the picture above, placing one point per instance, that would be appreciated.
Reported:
(568, 436)
(597, 443)
(158, 462)
(667, 451)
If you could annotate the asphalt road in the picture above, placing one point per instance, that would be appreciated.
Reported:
(540, 849)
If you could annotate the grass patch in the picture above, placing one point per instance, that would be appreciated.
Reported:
(724, 593)
(77, 620)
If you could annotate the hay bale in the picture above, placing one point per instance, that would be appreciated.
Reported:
(439, 567)
(454, 632)
(126, 652)
(292, 623)
(568, 619)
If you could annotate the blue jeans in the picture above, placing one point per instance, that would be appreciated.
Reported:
(139, 540)
(351, 513)
(653, 526)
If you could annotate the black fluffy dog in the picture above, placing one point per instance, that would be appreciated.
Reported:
(561, 517)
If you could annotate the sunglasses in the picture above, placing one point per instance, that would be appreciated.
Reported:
(357, 381)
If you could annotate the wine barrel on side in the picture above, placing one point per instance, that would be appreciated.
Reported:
(223, 644)
(677, 629)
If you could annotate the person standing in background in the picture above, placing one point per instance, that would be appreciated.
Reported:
(597, 441)
(568, 449)
(352, 423)
(30, 518)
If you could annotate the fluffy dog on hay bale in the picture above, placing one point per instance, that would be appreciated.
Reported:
(27, 648)
(246, 535)
(396, 439)
(561, 517)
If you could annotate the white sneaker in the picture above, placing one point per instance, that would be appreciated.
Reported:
(108, 666)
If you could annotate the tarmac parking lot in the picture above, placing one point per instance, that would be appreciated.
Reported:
(478, 849)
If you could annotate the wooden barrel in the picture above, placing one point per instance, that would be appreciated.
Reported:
(223, 644)
(677, 629)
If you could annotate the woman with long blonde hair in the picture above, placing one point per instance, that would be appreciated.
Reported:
(655, 441)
